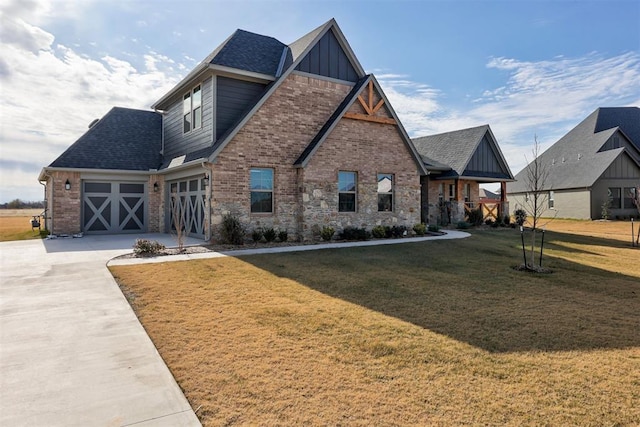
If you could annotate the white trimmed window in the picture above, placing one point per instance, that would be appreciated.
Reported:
(192, 110)
(551, 200)
(385, 192)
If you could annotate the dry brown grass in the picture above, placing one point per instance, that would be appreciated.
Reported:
(15, 224)
(435, 333)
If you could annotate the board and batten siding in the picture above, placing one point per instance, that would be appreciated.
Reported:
(233, 98)
(327, 58)
(622, 168)
(485, 161)
(176, 142)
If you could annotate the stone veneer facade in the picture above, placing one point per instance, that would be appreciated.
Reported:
(278, 133)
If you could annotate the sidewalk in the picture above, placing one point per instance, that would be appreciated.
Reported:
(450, 234)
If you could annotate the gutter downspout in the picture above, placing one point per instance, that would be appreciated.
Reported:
(46, 208)
(207, 201)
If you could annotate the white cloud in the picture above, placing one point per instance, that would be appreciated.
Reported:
(544, 98)
(51, 93)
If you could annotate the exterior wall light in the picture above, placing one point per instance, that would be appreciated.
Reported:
(67, 185)
(155, 187)
(206, 180)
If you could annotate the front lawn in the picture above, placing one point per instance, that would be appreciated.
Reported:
(440, 332)
(15, 224)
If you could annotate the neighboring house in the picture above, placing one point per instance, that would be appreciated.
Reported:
(458, 162)
(597, 163)
(293, 137)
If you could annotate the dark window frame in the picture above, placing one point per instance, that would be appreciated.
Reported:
(347, 199)
(386, 202)
(258, 194)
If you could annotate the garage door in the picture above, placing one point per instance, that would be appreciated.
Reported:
(114, 207)
(187, 206)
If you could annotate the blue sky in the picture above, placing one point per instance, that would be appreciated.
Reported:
(527, 68)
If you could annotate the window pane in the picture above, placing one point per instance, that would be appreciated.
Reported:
(132, 188)
(614, 196)
(187, 123)
(385, 183)
(97, 187)
(346, 181)
(197, 98)
(186, 104)
(197, 118)
(385, 202)
(261, 201)
(629, 196)
(347, 202)
(261, 179)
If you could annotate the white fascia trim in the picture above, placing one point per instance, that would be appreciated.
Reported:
(242, 74)
(99, 171)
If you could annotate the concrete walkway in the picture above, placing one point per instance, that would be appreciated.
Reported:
(450, 234)
(72, 352)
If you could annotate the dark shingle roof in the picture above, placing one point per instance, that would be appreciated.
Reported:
(626, 118)
(575, 160)
(453, 149)
(249, 52)
(123, 139)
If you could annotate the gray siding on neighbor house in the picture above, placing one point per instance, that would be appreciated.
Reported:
(327, 58)
(572, 204)
(618, 140)
(600, 194)
(622, 167)
(176, 142)
(484, 161)
(233, 98)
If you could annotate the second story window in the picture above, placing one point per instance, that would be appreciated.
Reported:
(192, 110)
(347, 191)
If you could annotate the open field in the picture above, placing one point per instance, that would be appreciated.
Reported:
(15, 224)
(434, 333)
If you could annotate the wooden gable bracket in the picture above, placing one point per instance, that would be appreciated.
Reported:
(370, 109)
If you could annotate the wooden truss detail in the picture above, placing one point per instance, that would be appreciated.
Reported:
(370, 109)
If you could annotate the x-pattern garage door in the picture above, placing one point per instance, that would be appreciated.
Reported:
(113, 207)
(187, 206)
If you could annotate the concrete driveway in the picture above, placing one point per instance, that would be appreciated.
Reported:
(72, 352)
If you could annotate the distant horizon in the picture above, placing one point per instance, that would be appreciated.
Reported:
(528, 68)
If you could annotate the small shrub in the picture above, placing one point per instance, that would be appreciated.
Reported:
(488, 221)
(355, 233)
(463, 225)
(327, 233)
(231, 230)
(496, 224)
(520, 216)
(476, 216)
(379, 232)
(434, 228)
(387, 231)
(256, 234)
(398, 231)
(269, 234)
(420, 229)
(147, 247)
(283, 235)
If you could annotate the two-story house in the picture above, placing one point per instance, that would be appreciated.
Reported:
(293, 137)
